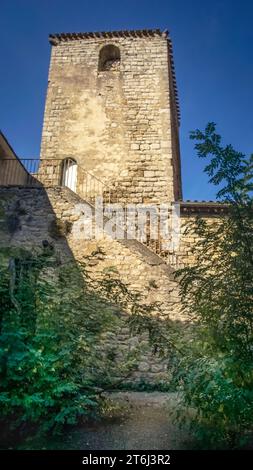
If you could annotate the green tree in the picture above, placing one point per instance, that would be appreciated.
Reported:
(215, 367)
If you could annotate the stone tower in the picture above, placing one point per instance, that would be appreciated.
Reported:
(112, 107)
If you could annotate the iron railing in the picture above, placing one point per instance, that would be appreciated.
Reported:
(66, 173)
(59, 172)
(52, 172)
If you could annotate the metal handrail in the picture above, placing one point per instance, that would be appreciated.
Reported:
(23, 161)
(58, 172)
(50, 172)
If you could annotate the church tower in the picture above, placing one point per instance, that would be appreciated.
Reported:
(112, 109)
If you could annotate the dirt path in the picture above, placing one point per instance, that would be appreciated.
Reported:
(146, 425)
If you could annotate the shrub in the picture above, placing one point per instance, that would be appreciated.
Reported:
(215, 367)
(58, 338)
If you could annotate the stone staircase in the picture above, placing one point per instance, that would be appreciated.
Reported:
(52, 173)
(90, 187)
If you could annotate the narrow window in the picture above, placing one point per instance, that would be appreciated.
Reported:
(109, 58)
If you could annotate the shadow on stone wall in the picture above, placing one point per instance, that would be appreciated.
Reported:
(28, 221)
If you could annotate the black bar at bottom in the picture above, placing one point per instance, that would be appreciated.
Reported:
(120, 459)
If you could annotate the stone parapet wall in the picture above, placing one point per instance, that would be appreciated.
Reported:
(211, 213)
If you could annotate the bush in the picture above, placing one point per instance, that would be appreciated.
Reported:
(215, 367)
(216, 393)
(58, 338)
(39, 344)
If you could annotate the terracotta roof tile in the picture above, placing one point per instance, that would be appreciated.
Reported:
(203, 207)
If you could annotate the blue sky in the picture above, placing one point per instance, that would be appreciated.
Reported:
(213, 52)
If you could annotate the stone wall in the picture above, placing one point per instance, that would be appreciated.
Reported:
(121, 123)
(30, 215)
(211, 212)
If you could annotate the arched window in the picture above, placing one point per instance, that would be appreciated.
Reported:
(69, 173)
(109, 58)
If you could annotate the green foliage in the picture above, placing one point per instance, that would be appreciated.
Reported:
(215, 369)
(219, 391)
(58, 338)
(38, 345)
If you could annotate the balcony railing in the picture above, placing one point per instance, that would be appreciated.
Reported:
(52, 172)
(59, 172)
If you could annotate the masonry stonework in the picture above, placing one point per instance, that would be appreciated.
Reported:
(34, 210)
(120, 123)
(111, 107)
